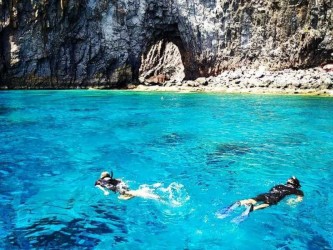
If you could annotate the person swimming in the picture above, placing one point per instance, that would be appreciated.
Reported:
(276, 194)
(107, 182)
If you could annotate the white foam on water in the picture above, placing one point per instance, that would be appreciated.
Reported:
(174, 195)
(145, 192)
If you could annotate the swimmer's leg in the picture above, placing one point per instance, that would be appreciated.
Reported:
(146, 194)
(248, 202)
(138, 193)
(248, 210)
(261, 206)
(244, 215)
(225, 212)
(125, 196)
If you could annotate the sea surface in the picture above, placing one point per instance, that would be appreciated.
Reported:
(198, 152)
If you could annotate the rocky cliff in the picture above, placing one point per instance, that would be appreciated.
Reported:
(69, 44)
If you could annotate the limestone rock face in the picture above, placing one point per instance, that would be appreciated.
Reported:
(103, 43)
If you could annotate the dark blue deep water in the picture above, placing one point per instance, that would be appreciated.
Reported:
(199, 152)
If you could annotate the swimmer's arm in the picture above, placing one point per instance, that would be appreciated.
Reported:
(261, 206)
(292, 201)
(299, 195)
(103, 189)
(299, 198)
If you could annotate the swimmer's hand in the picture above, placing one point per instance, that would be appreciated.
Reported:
(102, 189)
(293, 201)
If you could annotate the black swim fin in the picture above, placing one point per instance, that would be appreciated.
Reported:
(225, 212)
(244, 215)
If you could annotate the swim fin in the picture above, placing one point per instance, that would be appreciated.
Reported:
(244, 215)
(225, 212)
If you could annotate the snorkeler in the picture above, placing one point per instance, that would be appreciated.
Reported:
(275, 194)
(107, 182)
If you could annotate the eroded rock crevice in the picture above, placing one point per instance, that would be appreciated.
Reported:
(165, 57)
(161, 63)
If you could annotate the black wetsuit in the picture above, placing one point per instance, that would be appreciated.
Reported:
(112, 184)
(277, 193)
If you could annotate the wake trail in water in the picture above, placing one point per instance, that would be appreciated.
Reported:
(174, 195)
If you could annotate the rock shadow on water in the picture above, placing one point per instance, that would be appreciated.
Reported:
(14, 182)
(83, 110)
(172, 139)
(232, 149)
(289, 139)
(17, 123)
(16, 116)
(318, 242)
(7, 216)
(224, 150)
(308, 236)
(73, 234)
(139, 122)
(168, 140)
(5, 110)
(136, 124)
(153, 222)
(314, 243)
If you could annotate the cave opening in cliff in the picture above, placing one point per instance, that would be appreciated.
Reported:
(162, 60)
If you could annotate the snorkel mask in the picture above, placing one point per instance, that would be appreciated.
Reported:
(107, 174)
(294, 182)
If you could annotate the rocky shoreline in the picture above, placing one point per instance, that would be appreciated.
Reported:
(107, 44)
(314, 81)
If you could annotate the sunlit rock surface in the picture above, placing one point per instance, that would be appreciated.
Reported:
(104, 43)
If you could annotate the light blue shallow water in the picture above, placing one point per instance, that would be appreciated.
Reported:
(209, 150)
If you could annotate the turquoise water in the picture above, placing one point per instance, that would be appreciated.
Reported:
(200, 152)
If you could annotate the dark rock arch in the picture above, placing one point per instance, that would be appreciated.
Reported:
(169, 33)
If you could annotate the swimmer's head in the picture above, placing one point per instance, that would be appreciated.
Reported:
(105, 174)
(294, 181)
